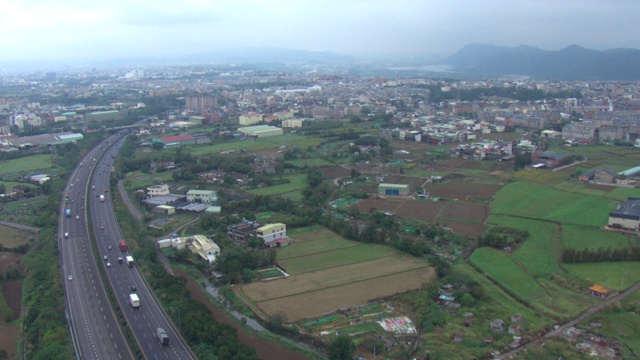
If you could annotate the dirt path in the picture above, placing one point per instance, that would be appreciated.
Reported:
(125, 197)
(265, 349)
(592, 310)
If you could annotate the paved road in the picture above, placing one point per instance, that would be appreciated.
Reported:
(19, 226)
(95, 331)
(592, 310)
(150, 315)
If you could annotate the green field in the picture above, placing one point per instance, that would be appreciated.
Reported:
(582, 237)
(314, 246)
(613, 275)
(296, 182)
(308, 162)
(10, 184)
(623, 193)
(11, 237)
(498, 265)
(331, 259)
(27, 163)
(137, 179)
(250, 145)
(539, 202)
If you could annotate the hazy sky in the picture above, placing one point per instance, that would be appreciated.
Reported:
(105, 29)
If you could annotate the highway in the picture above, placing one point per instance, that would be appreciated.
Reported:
(144, 320)
(94, 329)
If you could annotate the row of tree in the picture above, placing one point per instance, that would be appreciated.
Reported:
(601, 255)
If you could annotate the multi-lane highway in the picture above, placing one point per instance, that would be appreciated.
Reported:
(145, 320)
(94, 329)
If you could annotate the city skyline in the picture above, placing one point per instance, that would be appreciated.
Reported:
(53, 31)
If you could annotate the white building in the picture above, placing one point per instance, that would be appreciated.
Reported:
(158, 190)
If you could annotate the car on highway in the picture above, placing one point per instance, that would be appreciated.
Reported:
(101, 227)
(77, 217)
(108, 264)
(134, 288)
(70, 277)
(109, 247)
(105, 257)
(66, 235)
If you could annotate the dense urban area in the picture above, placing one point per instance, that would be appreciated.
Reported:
(312, 211)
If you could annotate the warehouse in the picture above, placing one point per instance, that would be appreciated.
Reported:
(261, 131)
(393, 189)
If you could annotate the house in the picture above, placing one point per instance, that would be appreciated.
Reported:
(202, 196)
(271, 233)
(514, 329)
(626, 216)
(600, 175)
(176, 140)
(242, 231)
(496, 326)
(250, 118)
(599, 291)
(549, 158)
(393, 189)
(158, 190)
(515, 318)
(204, 247)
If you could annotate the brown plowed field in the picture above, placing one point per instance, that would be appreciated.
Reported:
(466, 211)
(323, 301)
(599, 187)
(8, 339)
(378, 204)
(303, 283)
(462, 190)
(421, 210)
(12, 291)
(10, 260)
(265, 349)
(470, 229)
(332, 172)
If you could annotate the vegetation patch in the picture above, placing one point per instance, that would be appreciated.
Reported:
(27, 163)
(296, 182)
(11, 238)
(613, 275)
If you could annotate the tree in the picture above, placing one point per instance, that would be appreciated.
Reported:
(157, 145)
(342, 348)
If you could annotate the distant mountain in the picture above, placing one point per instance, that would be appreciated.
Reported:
(267, 55)
(571, 63)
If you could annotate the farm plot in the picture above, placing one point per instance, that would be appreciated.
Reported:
(378, 204)
(462, 190)
(421, 210)
(334, 276)
(27, 163)
(12, 237)
(614, 275)
(584, 237)
(465, 211)
(332, 172)
(296, 182)
(323, 301)
(470, 229)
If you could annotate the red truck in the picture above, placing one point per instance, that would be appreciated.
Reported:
(122, 245)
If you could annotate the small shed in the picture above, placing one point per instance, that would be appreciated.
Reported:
(393, 189)
(599, 291)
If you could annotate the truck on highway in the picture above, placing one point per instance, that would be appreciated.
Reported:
(134, 300)
(67, 212)
(162, 337)
(101, 198)
(66, 199)
(122, 245)
(129, 260)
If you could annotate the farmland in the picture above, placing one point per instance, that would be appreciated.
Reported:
(328, 272)
(27, 163)
(296, 182)
(12, 237)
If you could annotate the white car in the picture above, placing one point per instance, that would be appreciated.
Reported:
(108, 264)
(70, 277)
(77, 217)
(66, 235)
(105, 257)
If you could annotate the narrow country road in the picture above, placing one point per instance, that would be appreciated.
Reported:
(127, 202)
(592, 310)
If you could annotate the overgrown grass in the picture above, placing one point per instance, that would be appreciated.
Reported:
(499, 266)
(613, 275)
(11, 237)
(308, 162)
(332, 259)
(27, 163)
(296, 182)
(582, 237)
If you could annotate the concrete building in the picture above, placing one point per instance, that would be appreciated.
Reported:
(292, 123)
(261, 131)
(269, 234)
(158, 190)
(105, 115)
(177, 140)
(203, 247)
(393, 189)
(201, 102)
(242, 231)
(202, 196)
(250, 118)
(626, 216)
